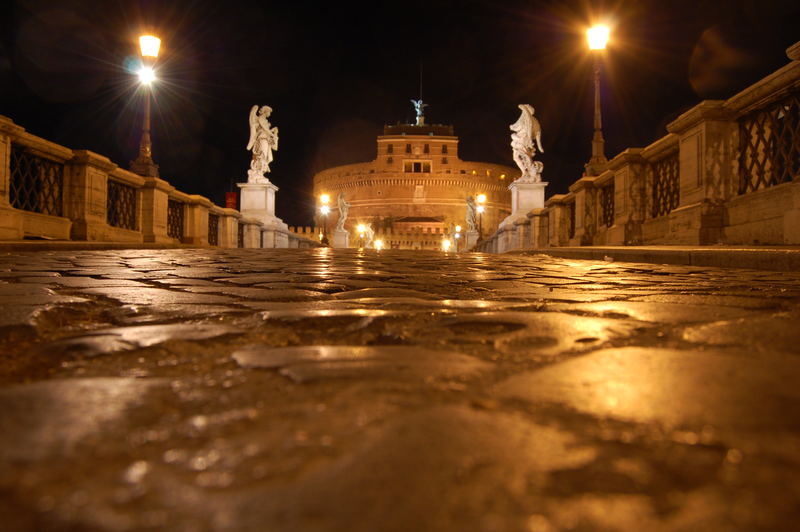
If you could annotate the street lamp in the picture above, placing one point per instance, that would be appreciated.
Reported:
(324, 209)
(597, 36)
(362, 229)
(149, 46)
(481, 199)
(446, 245)
(457, 236)
(378, 244)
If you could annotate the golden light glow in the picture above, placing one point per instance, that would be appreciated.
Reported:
(149, 45)
(598, 36)
(445, 245)
(458, 229)
(147, 75)
(324, 210)
(378, 244)
(324, 199)
(480, 209)
(361, 228)
(481, 198)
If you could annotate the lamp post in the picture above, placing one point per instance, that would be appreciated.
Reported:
(324, 209)
(457, 236)
(362, 229)
(597, 37)
(144, 165)
(481, 199)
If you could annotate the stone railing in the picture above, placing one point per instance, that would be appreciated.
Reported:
(727, 172)
(51, 192)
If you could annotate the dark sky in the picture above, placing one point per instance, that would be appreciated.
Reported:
(335, 72)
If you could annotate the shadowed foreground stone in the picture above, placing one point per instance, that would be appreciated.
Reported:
(322, 390)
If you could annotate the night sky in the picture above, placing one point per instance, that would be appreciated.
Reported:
(335, 73)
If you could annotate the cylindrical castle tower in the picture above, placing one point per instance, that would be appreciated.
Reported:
(416, 184)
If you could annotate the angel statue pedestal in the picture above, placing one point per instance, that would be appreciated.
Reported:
(341, 239)
(525, 196)
(470, 239)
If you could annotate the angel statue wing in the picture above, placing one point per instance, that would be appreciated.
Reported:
(536, 131)
(253, 127)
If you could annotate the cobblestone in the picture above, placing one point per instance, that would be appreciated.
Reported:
(322, 390)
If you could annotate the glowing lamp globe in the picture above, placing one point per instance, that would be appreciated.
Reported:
(147, 75)
(598, 36)
(149, 45)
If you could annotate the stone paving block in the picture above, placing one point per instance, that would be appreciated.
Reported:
(327, 390)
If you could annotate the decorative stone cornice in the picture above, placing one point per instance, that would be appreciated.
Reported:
(793, 52)
(582, 183)
(629, 156)
(705, 110)
(662, 146)
(91, 158)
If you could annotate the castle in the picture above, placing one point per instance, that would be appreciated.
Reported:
(414, 192)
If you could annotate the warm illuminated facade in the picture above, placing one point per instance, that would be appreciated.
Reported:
(416, 188)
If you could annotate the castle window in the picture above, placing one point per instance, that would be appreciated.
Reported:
(389, 160)
(444, 148)
(427, 148)
(416, 167)
(444, 160)
(390, 148)
(463, 171)
(408, 148)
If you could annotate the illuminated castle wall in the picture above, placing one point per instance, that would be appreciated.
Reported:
(416, 183)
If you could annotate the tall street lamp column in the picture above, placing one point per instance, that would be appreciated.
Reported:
(481, 199)
(597, 37)
(324, 209)
(144, 164)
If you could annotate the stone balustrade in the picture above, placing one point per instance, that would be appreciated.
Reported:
(726, 172)
(48, 191)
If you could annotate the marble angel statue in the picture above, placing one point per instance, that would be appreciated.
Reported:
(263, 141)
(526, 130)
(343, 208)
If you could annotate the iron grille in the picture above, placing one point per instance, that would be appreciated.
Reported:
(607, 205)
(213, 229)
(37, 184)
(666, 185)
(769, 144)
(571, 220)
(121, 205)
(240, 236)
(175, 219)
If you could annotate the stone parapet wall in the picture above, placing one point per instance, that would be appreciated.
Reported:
(48, 191)
(726, 172)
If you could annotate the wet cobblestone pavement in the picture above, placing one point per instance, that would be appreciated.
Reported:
(289, 390)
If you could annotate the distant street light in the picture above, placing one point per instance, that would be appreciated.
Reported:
(362, 229)
(446, 244)
(481, 199)
(597, 37)
(378, 244)
(149, 46)
(457, 236)
(324, 209)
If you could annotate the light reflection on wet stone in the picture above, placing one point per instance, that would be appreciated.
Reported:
(337, 390)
